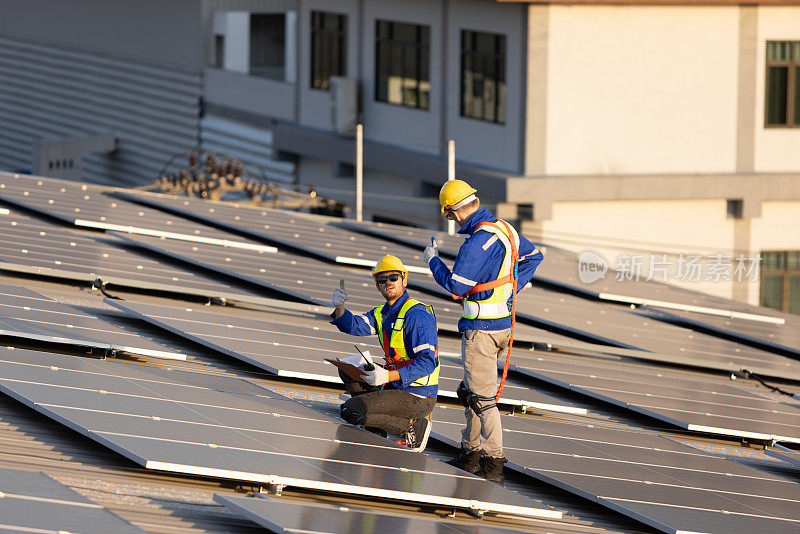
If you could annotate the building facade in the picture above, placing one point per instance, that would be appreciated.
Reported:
(649, 129)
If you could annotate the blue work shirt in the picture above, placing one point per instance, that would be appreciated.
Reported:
(474, 266)
(419, 337)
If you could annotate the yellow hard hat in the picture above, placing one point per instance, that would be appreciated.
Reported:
(456, 193)
(389, 263)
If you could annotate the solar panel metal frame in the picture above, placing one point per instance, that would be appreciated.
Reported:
(522, 397)
(40, 365)
(261, 510)
(35, 502)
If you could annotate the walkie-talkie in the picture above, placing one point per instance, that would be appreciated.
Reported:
(369, 366)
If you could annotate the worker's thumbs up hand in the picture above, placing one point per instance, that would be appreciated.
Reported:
(339, 295)
(431, 251)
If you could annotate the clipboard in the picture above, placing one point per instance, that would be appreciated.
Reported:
(348, 367)
(356, 373)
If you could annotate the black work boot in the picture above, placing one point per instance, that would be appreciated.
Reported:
(468, 461)
(492, 469)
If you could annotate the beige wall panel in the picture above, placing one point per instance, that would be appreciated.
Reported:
(645, 230)
(642, 89)
(477, 141)
(778, 228)
(777, 149)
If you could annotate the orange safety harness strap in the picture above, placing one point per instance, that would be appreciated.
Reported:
(511, 278)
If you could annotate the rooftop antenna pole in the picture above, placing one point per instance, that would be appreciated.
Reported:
(451, 175)
(359, 171)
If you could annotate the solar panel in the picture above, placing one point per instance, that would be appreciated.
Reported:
(35, 247)
(561, 270)
(290, 517)
(27, 314)
(785, 454)
(667, 485)
(602, 323)
(35, 502)
(87, 206)
(163, 424)
(300, 231)
(297, 349)
(310, 280)
(687, 400)
(776, 338)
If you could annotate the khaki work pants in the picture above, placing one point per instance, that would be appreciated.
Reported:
(479, 353)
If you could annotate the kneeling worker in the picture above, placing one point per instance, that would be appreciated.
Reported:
(399, 398)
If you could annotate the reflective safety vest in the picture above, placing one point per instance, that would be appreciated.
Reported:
(495, 306)
(401, 358)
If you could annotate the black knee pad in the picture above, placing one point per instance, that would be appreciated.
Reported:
(473, 400)
(353, 412)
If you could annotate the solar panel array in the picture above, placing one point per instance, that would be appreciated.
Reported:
(297, 350)
(27, 314)
(35, 502)
(309, 279)
(36, 247)
(187, 423)
(295, 230)
(287, 517)
(160, 421)
(561, 269)
(87, 206)
(667, 485)
(690, 401)
(645, 338)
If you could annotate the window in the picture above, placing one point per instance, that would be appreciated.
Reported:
(267, 47)
(783, 83)
(401, 64)
(219, 51)
(328, 47)
(483, 76)
(780, 280)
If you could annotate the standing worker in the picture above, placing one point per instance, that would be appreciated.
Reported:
(492, 261)
(398, 399)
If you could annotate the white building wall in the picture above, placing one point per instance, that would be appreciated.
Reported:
(643, 230)
(641, 89)
(777, 149)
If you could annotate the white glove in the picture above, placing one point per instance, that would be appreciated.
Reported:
(378, 377)
(339, 295)
(431, 251)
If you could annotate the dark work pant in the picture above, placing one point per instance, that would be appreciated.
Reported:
(389, 409)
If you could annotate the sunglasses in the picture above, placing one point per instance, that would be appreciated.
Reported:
(388, 278)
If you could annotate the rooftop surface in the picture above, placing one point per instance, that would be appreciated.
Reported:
(192, 396)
